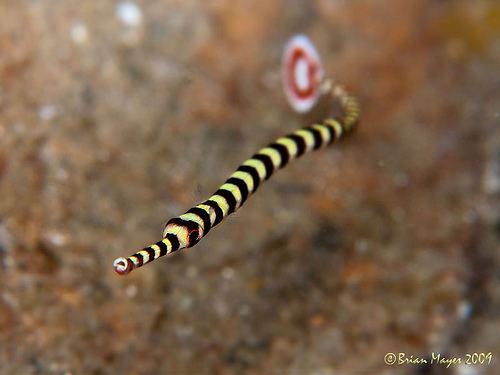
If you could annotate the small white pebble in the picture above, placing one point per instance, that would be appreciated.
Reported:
(227, 273)
(57, 239)
(361, 246)
(129, 13)
(183, 332)
(62, 174)
(10, 300)
(47, 112)
(221, 308)
(464, 369)
(464, 310)
(79, 33)
(491, 178)
(131, 290)
(186, 303)
(5, 238)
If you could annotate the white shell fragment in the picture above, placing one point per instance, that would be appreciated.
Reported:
(79, 33)
(302, 73)
(129, 13)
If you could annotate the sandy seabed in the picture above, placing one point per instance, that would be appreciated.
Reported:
(116, 116)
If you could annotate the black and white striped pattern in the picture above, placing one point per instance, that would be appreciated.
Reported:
(187, 229)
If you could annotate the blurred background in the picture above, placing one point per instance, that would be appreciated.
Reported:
(117, 115)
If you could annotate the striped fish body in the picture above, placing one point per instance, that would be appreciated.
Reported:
(189, 228)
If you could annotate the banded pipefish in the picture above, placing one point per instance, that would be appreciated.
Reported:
(188, 229)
